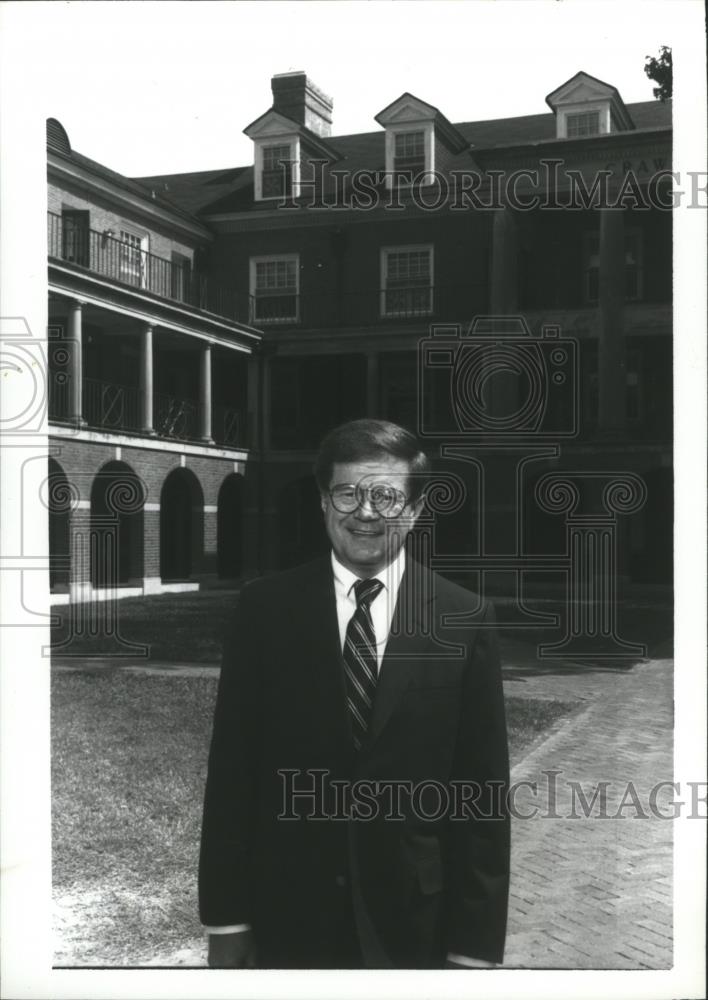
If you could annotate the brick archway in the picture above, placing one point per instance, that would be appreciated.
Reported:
(117, 501)
(181, 525)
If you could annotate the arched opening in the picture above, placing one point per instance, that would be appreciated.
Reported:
(301, 526)
(59, 504)
(181, 526)
(229, 528)
(117, 500)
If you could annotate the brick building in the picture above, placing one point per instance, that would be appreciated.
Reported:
(355, 257)
(148, 391)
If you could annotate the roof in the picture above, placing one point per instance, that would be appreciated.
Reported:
(231, 189)
(58, 145)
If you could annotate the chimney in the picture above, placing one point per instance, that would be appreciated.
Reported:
(298, 98)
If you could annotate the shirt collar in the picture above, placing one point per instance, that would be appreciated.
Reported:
(390, 576)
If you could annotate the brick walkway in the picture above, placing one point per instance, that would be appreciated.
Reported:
(593, 892)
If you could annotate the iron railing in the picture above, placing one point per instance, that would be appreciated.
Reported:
(407, 302)
(129, 264)
(59, 396)
(229, 427)
(363, 306)
(275, 308)
(115, 407)
(111, 406)
(177, 418)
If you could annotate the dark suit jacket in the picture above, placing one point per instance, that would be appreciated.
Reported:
(428, 885)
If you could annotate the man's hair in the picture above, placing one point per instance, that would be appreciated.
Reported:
(366, 440)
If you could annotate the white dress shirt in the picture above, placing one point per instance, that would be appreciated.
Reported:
(382, 607)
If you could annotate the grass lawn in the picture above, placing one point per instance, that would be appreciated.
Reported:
(180, 628)
(129, 758)
(175, 627)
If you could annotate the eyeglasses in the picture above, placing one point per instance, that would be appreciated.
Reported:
(382, 498)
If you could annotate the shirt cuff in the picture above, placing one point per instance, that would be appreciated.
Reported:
(472, 963)
(231, 929)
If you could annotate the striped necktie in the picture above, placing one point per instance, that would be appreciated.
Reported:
(360, 662)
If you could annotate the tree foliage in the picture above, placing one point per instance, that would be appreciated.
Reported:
(661, 72)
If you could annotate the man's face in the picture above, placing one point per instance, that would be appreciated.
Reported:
(364, 540)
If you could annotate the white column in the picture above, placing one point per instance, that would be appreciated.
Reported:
(146, 379)
(76, 361)
(205, 394)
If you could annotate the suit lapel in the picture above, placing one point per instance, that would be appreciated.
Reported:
(320, 644)
(408, 644)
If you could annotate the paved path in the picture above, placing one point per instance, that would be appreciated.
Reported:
(596, 892)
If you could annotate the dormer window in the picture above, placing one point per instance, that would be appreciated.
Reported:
(277, 171)
(409, 160)
(276, 168)
(410, 154)
(582, 123)
(283, 149)
(417, 135)
(585, 106)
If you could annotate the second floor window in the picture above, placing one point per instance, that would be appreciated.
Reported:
(407, 281)
(409, 155)
(582, 123)
(276, 176)
(75, 236)
(275, 289)
(132, 256)
(632, 266)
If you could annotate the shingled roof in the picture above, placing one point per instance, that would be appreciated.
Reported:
(225, 190)
(58, 145)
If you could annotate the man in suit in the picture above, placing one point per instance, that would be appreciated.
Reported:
(355, 808)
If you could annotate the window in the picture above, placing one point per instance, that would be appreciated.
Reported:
(276, 171)
(409, 155)
(180, 277)
(582, 123)
(406, 281)
(632, 266)
(75, 237)
(275, 289)
(132, 257)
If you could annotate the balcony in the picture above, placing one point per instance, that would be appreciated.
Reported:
(129, 265)
(109, 406)
(362, 307)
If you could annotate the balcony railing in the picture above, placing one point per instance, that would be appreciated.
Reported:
(111, 406)
(368, 306)
(177, 418)
(229, 427)
(407, 302)
(114, 407)
(102, 253)
(275, 308)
